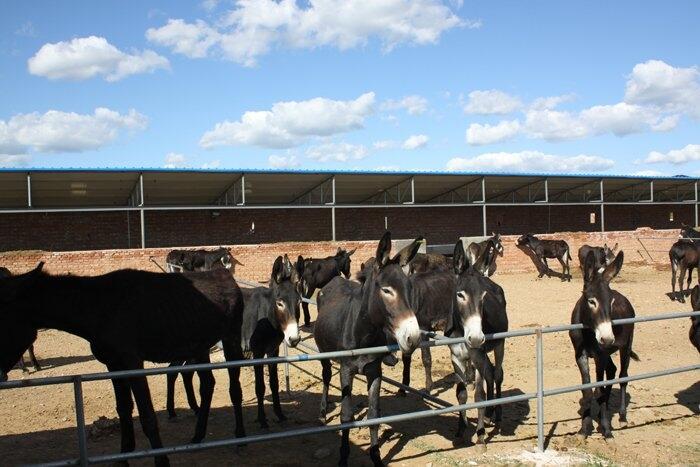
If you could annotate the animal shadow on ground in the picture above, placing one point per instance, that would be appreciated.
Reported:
(540, 266)
(690, 397)
(301, 410)
(679, 294)
(55, 362)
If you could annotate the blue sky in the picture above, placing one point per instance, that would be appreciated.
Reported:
(609, 87)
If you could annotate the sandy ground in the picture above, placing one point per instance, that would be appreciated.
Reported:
(37, 425)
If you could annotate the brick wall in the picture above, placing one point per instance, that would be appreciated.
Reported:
(258, 259)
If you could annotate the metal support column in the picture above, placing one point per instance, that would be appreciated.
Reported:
(651, 191)
(483, 207)
(143, 221)
(696, 205)
(29, 190)
(540, 390)
(602, 209)
(242, 203)
(80, 419)
(333, 208)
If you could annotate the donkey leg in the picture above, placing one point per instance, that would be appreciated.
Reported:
(460, 367)
(171, 378)
(608, 367)
(428, 366)
(187, 378)
(275, 388)
(305, 306)
(206, 391)
(674, 266)
(125, 410)
(624, 365)
(260, 389)
(147, 415)
(480, 360)
(346, 379)
(681, 280)
(406, 375)
(374, 383)
(498, 355)
(587, 395)
(327, 372)
(37, 367)
(22, 366)
(233, 352)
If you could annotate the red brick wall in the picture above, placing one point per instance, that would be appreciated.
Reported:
(258, 259)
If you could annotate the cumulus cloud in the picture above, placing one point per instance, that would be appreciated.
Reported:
(174, 160)
(291, 123)
(670, 88)
(491, 102)
(478, 134)
(530, 161)
(551, 102)
(283, 162)
(414, 104)
(86, 57)
(385, 144)
(56, 131)
(690, 153)
(215, 164)
(415, 142)
(14, 160)
(340, 152)
(253, 28)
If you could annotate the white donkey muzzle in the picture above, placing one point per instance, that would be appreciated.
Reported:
(291, 334)
(604, 333)
(408, 335)
(474, 333)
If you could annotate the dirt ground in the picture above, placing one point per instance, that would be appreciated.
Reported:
(37, 424)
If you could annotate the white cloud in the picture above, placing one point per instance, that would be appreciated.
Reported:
(291, 123)
(26, 30)
(56, 131)
(87, 57)
(649, 173)
(341, 152)
(174, 160)
(210, 5)
(253, 28)
(659, 84)
(415, 142)
(215, 164)
(491, 102)
(690, 153)
(385, 144)
(283, 162)
(530, 161)
(14, 160)
(478, 134)
(414, 104)
(554, 125)
(551, 102)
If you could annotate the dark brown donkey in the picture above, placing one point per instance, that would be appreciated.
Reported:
(596, 308)
(130, 316)
(684, 256)
(604, 255)
(4, 272)
(544, 249)
(353, 316)
(319, 272)
(694, 333)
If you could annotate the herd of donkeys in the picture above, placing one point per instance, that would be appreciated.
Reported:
(132, 316)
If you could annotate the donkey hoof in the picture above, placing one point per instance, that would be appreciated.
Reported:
(480, 446)
(401, 393)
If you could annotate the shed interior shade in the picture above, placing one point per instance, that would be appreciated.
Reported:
(86, 188)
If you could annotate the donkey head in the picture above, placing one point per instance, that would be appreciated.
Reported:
(609, 253)
(471, 291)
(597, 298)
(17, 332)
(389, 292)
(286, 299)
(342, 257)
(695, 299)
(496, 237)
(524, 240)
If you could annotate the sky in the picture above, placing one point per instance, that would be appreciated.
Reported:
(440, 85)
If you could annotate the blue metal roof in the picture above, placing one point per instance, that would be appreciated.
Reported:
(344, 172)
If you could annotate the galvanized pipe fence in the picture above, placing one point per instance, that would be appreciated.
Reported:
(539, 395)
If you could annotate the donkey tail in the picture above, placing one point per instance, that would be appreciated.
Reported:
(634, 356)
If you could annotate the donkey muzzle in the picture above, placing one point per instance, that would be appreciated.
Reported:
(408, 335)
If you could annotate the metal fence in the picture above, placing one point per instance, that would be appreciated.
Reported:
(78, 380)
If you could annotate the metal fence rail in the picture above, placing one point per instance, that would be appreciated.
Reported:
(540, 394)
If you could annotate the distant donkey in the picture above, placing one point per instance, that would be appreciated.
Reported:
(544, 249)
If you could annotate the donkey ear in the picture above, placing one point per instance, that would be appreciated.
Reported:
(383, 249)
(695, 298)
(460, 261)
(589, 269)
(615, 247)
(278, 270)
(482, 263)
(340, 250)
(613, 269)
(299, 266)
(350, 253)
(409, 252)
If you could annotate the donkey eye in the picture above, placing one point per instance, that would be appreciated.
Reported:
(461, 295)
(592, 302)
(280, 304)
(387, 291)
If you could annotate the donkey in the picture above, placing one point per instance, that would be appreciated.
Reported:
(130, 316)
(688, 232)
(544, 249)
(475, 249)
(270, 317)
(694, 333)
(684, 256)
(595, 309)
(4, 272)
(353, 316)
(479, 308)
(201, 260)
(426, 262)
(603, 255)
(319, 272)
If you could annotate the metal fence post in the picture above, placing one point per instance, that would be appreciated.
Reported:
(80, 419)
(540, 391)
(286, 368)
